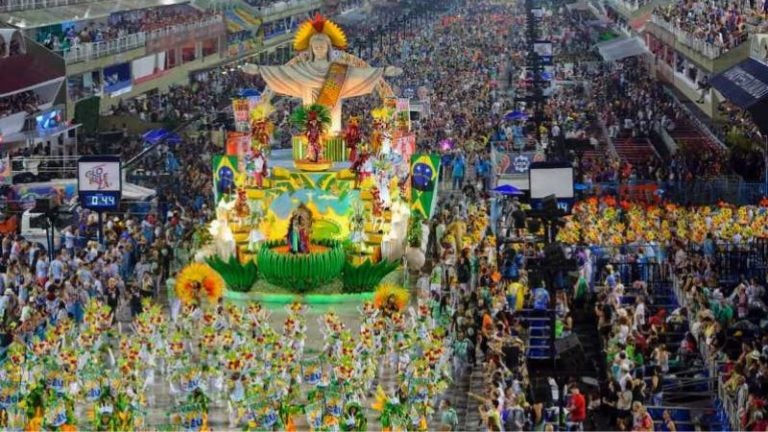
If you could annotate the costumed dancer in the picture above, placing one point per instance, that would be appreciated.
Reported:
(261, 131)
(242, 209)
(377, 210)
(314, 135)
(293, 235)
(256, 168)
(352, 137)
(377, 135)
(357, 225)
(383, 178)
(362, 167)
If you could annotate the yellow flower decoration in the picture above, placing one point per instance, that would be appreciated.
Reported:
(319, 25)
(386, 290)
(197, 281)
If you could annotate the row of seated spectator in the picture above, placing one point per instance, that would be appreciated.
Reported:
(123, 24)
(25, 101)
(719, 23)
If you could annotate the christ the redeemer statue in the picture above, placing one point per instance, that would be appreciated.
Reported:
(320, 73)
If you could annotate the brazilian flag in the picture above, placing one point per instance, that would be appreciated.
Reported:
(226, 175)
(424, 180)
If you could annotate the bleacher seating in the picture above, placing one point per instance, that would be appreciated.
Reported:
(634, 149)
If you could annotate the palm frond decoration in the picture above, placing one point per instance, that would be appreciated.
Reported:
(238, 276)
(366, 276)
(303, 114)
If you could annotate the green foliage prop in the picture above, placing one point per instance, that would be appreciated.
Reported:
(301, 272)
(366, 276)
(238, 277)
(415, 230)
(301, 115)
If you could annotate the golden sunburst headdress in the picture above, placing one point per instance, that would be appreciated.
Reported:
(319, 25)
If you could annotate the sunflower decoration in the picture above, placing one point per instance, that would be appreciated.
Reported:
(199, 280)
(390, 409)
(391, 296)
(382, 114)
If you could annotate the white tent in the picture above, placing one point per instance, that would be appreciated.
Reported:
(618, 49)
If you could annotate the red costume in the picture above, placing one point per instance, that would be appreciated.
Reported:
(314, 132)
(352, 137)
(358, 167)
(376, 210)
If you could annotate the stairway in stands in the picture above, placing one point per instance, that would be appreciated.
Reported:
(634, 149)
(538, 334)
(687, 135)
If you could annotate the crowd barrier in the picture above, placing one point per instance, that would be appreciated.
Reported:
(727, 406)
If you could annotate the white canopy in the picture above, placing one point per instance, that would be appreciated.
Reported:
(622, 48)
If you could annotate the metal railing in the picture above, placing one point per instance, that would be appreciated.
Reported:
(93, 50)
(18, 5)
(729, 405)
(694, 119)
(707, 49)
(286, 6)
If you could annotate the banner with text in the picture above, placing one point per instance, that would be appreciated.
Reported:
(513, 163)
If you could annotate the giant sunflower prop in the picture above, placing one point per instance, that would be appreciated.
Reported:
(197, 281)
(400, 295)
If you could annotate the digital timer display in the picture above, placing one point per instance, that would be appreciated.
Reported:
(102, 201)
(99, 200)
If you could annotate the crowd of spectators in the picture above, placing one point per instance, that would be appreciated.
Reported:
(721, 24)
(11, 48)
(206, 95)
(26, 101)
(728, 326)
(123, 24)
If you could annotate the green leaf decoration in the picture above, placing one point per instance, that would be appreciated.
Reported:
(238, 276)
(366, 276)
(300, 116)
(301, 272)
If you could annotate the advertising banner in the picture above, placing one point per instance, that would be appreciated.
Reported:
(513, 163)
(424, 171)
(117, 79)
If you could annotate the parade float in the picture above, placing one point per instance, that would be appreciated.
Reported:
(335, 218)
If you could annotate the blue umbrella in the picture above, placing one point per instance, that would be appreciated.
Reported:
(515, 115)
(248, 92)
(154, 135)
(508, 189)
